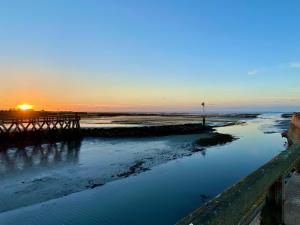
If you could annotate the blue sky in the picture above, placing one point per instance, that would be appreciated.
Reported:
(151, 55)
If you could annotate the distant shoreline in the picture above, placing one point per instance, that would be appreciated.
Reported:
(177, 124)
(4, 113)
(113, 114)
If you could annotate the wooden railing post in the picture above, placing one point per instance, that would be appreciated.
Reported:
(297, 167)
(275, 201)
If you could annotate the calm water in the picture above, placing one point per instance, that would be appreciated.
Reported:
(167, 192)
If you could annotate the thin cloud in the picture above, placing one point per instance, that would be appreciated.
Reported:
(282, 66)
(294, 64)
(253, 72)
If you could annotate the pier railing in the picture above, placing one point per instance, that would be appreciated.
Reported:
(239, 204)
(17, 124)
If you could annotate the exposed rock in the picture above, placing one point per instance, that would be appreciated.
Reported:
(146, 131)
(215, 139)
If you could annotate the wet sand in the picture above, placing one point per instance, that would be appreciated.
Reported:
(158, 119)
(36, 174)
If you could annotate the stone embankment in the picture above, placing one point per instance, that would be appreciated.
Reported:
(293, 134)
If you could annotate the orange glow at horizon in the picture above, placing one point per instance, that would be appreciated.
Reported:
(25, 107)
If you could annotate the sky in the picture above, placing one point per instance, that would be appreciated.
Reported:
(158, 55)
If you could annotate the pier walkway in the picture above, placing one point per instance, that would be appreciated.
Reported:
(292, 201)
(19, 124)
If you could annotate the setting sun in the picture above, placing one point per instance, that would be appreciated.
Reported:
(24, 107)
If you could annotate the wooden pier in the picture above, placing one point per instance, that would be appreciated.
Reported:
(24, 124)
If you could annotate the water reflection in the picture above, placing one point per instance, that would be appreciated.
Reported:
(22, 158)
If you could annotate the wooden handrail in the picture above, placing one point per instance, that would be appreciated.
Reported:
(238, 203)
